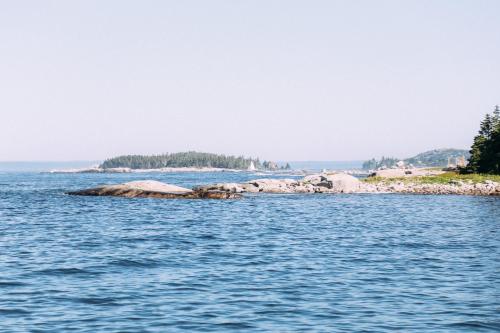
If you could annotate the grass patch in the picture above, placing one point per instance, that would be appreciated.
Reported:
(445, 178)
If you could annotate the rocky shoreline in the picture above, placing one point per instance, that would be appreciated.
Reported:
(344, 183)
(456, 188)
(332, 183)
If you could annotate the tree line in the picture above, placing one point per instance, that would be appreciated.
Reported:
(485, 150)
(183, 159)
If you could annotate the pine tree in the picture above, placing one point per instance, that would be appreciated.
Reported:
(496, 117)
(486, 126)
(476, 150)
(485, 151)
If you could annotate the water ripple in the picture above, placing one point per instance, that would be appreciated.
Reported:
(270, 263)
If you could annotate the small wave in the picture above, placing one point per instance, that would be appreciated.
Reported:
(253, 263)
(135, 239)
(415, 245)
(96, 300)
(134, 263)
(64, 271)
(236, 326)
(477, 324)
(13, 311)
(6, 284)
(207, 237)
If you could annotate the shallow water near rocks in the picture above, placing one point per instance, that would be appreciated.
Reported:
(265, 263)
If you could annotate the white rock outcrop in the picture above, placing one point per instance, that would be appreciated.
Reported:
(153, 185)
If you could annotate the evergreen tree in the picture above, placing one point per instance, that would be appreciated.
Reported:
(485, 150)
(475, 160)
(486, 127)
(496, 116)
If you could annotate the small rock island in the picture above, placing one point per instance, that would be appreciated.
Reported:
(154, 189)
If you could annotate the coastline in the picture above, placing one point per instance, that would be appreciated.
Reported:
(323, 183)
(336, 183)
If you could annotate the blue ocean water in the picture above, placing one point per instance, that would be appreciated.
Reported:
(265, 263)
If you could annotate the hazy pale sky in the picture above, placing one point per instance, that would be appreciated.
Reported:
(282, 80)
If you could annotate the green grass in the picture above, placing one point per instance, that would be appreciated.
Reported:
(445, 178)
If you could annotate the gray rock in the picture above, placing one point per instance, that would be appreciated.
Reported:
(344, 183)
(154, 189)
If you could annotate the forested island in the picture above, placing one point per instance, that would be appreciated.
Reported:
(188, 160)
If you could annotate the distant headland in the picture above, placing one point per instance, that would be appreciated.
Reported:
(433, 158)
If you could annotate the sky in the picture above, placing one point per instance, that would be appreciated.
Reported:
(279, 80)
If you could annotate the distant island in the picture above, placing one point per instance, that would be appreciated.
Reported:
(189, 159)
(431, 158)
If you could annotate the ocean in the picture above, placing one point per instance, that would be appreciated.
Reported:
(264, 263)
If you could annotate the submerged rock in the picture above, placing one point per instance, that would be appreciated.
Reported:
(154, 189)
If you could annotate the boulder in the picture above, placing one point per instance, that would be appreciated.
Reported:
(343, 183)
(333, 183)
